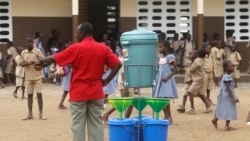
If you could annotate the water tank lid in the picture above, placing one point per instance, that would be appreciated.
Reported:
(139, 34)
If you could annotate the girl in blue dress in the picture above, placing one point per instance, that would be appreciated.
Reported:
(165, 82)
(227, 99)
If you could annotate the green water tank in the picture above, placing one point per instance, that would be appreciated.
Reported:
(139, 56)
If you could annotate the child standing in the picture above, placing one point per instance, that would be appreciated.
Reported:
(208, 81)
(9, 69)
(1, 71)
(19, 73)
(165, 82)
(226, 105)
(197, 87)
(217, 58)
(235, 58)
(33, 77)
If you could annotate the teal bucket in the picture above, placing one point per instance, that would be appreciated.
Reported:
(121, 130)
(155, 130)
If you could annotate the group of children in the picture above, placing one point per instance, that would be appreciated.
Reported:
(201, 67)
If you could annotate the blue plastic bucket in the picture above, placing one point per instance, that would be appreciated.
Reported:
(121, 130)
(155, 130)
(138, 128)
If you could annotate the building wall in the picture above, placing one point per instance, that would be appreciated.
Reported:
(213, 22)
(45, 15)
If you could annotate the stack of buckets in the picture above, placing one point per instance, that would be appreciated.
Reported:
(138, 129)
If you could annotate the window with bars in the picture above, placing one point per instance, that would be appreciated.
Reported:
(168, 16)
(5, 21)
(237, 19)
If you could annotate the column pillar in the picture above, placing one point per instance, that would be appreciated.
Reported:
(200, 11)
(75, 16)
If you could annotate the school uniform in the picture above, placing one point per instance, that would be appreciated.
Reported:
(10, 61)
(235, 58)
(187, 78)
(187, 46)
(226, 108)
(168, 88)
(229, 42)
(216, 55)
(19, 71)
(208, 65)
(197, 73)
(222, 60)
(175, 45)
(33, 78)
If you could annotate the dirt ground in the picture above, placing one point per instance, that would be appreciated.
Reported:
(196, 127)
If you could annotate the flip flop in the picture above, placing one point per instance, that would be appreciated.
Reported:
(214, 123)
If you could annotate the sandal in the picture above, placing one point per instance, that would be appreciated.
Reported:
(15, 94)
(214, 122)
(229, 128)
(181, 109)
(28, 117)
(42, 117)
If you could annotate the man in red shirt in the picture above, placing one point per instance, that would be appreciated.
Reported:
(87, 58)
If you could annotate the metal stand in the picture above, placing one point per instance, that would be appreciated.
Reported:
(126, 85)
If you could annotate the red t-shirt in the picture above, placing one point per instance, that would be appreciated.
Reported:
(87, 59)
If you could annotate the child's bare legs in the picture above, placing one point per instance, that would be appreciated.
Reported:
(30, 105)
(167, 113)
(105, 117)
(227, 127)
(236, 82)
(128, 111)
(248, 117)
(214, 122)
(15, 91)
(1, 83)
(191, 98)
(8, 78)
(216, 81)
(61, 106)
(40, 106)
(23, 90)
(248, 70)
(207, 103)
(184, 101)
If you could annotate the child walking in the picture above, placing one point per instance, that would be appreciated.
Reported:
(165, 82)
(197, 87)
(19, 73)
(187, 81)
(33, 77)
(227, 99)
(65, 85)
(235, 58)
